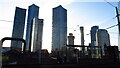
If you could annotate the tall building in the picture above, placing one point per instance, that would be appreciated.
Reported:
(82, 35)
(18, 27)
(93, 35)
(33, 12)
(82, 38)
(59, 28)
(102, 39)
(71, 39)
(37, 32)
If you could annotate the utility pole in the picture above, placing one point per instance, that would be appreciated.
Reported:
(118, 26)
(118, 20)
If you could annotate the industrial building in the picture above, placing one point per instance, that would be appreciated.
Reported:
(71, 39)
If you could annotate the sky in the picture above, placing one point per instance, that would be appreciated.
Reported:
(86, 13)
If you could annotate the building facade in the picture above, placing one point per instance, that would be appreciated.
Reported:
(71, 39)
(37, 33)
(33, 12)
(93, 35)
(18, 27)
(82, 35)
(59, 28)
(102, 39)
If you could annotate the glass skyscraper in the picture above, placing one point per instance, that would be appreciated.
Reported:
(18, 27)
(93, 35)
(59, 28)
(102, 39)
(33, 12)
(37, 32)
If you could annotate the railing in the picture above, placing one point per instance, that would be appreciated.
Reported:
(16, 39)
(9, 38)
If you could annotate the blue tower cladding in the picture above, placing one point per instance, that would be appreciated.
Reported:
(33, 12)
(37, 34)
(93, 35)
(59, 28)
(18, 27)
